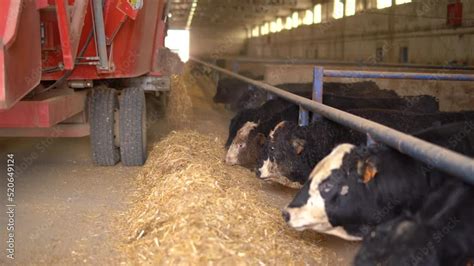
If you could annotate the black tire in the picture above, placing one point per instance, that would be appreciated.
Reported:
(102, 105)
(133, 127)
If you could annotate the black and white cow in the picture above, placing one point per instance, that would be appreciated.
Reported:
(291, 152)
(247, 144)
(441, 233)
(356, 188)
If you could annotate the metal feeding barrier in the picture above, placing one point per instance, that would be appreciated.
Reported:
(235, 61)
(441, 158)
(319, 73)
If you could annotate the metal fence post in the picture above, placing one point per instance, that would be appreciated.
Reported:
(303, 119)
(317, 95)
(235, 66)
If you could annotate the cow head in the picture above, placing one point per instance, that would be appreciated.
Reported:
(355, 188)
(246, 146)
(279, 154)
(307, 210)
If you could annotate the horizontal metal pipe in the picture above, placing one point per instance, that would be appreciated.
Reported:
(397, 75)
(341, 63)
(441, 158)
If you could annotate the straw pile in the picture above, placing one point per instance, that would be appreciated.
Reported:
(190, 208)
(179, 104)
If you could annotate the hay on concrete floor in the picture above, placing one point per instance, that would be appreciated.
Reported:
(190, 208)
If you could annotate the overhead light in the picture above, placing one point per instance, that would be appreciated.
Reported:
(170, 15)
(191, 13)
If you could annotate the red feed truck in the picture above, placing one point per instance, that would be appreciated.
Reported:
(72, 68)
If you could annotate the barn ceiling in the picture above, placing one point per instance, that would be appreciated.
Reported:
(232, 13)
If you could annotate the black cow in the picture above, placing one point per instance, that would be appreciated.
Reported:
(347, 96)
(291, 152)
(340, 102)
(417, 104)
(361, 89)
(229, 90)
(356, 188)
(253, 97)
(441, 233)
(238, 94)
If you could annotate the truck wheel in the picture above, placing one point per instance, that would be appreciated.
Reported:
(133, 127)
(103, 104)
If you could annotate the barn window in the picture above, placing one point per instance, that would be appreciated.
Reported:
(379, 55)
(279, 24)
(308, 17)
(399, 2)
(317, 14)
(264, 30)
(295, 20)
(256, 31)
(350, 7)
(273, 27)
(288, 24)
(338, 11)
(384, 3)
(403, 58)
(178, 41)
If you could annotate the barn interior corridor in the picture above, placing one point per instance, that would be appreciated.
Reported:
(92, 204)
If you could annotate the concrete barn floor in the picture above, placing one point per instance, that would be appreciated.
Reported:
(66, 205)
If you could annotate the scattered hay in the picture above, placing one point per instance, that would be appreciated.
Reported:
(190, 208)
(179, 104)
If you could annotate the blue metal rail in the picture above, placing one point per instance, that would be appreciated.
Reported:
(397, 75)
(440, 158)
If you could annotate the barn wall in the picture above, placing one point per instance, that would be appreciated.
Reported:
(356, 38)
(215, 43)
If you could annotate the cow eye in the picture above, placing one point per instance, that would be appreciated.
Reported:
(326, 187)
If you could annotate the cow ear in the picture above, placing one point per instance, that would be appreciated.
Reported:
(369, 171)
(260, 139)
(298, 145)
